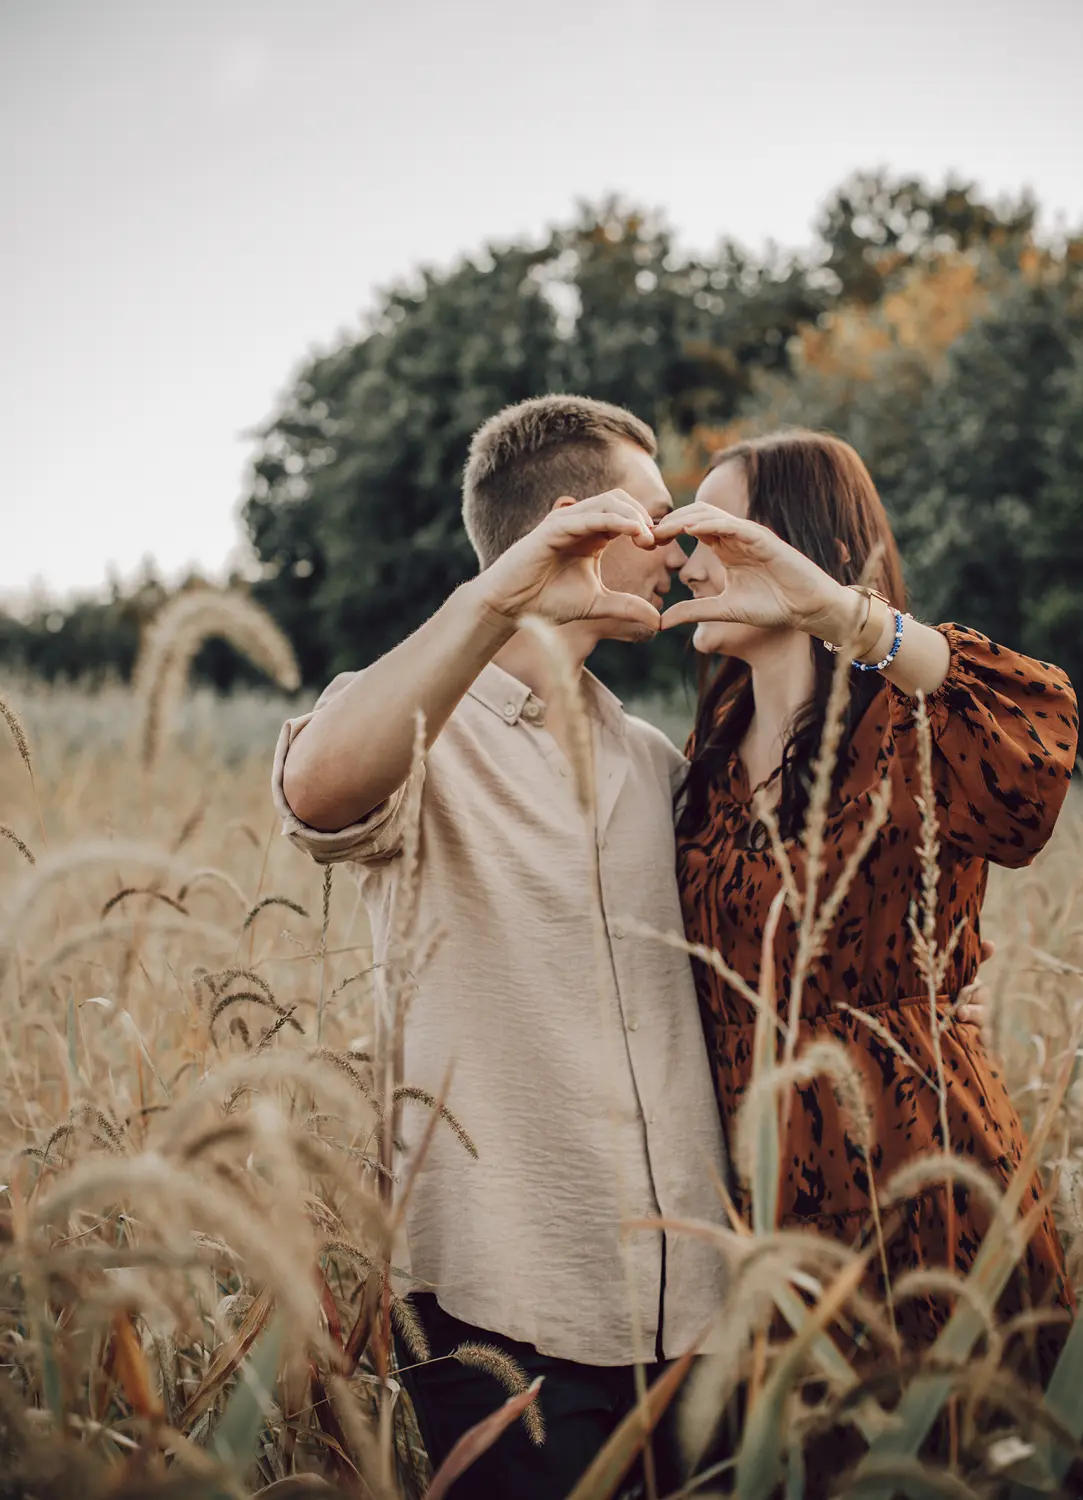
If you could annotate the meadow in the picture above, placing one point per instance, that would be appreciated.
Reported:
(199, 1223)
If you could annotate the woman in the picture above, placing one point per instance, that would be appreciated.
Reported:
(785, 527)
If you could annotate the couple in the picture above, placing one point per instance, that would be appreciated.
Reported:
(598, 1100)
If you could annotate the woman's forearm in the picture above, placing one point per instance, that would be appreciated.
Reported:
(921, 662)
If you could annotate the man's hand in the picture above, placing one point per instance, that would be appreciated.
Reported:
(973, 1002)
(554, 570)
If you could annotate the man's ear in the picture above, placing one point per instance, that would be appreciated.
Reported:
(564, 501)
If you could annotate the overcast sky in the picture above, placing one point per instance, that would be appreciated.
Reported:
(196, 195)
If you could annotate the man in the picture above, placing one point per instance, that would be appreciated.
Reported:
(584, 1085)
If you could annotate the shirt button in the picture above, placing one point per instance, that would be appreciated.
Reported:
(616, 931)
(633, 1025)
(650, 1119)
(531, 711)
(510, 711)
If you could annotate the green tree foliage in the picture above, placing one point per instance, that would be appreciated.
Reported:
(975, 439)
(354, 510)
(990, 511)
(875, 225)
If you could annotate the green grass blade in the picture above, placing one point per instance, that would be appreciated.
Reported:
(1064, 1402)
(761, 1456)
(237, 1434)
(51, 1384)
(765, 1178)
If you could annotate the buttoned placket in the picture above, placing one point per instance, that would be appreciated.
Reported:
(611, 763)
(621, 955)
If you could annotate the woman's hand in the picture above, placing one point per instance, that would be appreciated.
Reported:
(768, 582)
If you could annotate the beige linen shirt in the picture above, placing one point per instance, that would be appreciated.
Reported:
(587, 1094)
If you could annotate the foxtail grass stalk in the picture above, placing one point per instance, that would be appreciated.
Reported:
(566, 698)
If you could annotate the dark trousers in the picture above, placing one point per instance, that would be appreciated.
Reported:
(581, 1404)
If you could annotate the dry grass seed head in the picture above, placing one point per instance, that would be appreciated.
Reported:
(18, 734)
(216, 981)
(937, 1168)
(346, 1068)
(141, 890)
(765, 813)
(189, 827)
(175, 635)
(285, 1019)
(28, 894)
(252, 997)
(396, 988)
(421, 1096)
(938, 1281)
(267, 901)
(13, 838)
(409, 1329)
(504, 1369)
(327, 876)
(824, 1058)
(205, 875)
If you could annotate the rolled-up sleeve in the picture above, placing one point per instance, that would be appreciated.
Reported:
(376, 838)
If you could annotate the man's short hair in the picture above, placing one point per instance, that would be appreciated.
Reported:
(522, 460)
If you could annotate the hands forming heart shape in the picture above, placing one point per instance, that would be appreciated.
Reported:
(767, 582)
(555, 570)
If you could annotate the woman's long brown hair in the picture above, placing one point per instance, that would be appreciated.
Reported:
(814, 492)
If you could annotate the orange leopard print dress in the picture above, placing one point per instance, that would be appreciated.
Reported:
(1004, 743)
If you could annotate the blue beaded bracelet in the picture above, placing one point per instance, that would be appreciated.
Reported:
(878, 666)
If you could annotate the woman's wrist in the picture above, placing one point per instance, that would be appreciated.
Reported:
(857, 620)
(842, 618)
(879, 634)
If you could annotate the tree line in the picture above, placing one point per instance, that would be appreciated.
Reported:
(935, 330)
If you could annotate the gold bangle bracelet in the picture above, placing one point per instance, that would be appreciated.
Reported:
(865, 645)
(869, 594)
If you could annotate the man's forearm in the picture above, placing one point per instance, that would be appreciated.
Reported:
(356, 751)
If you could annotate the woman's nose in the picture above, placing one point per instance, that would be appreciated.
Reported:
(691, 572)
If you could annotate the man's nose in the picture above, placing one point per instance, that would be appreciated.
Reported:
(674, 557)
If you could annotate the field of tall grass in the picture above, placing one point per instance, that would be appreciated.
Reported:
(200, 1214)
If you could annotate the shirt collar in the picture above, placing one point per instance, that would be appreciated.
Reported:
(507, 697)
(500, 692)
